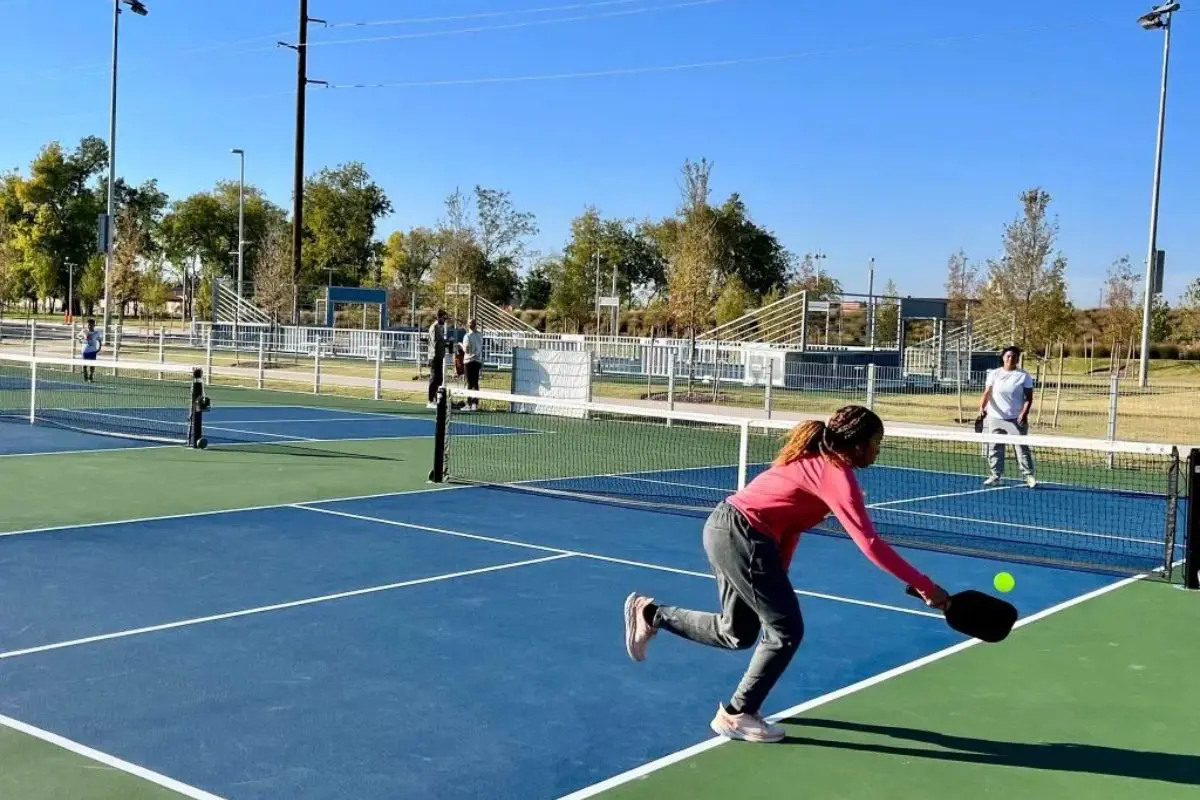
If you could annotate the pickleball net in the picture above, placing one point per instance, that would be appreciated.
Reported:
(1101, 505)
(129, 399)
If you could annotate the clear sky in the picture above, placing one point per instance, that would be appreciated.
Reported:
(895, 130)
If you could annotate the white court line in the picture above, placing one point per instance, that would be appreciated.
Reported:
(185, 623)
(963, 493)
(288, 436)
(708, 744)
(674, 483)
(107, 760)
(313, 419)
(596, 557)
(1045, 529)
(222, 511)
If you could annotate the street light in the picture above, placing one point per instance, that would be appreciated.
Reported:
(139, 8)
(241, 248)
(1157, 18)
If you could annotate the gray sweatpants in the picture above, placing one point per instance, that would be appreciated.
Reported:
(756, 597)
(996, 451)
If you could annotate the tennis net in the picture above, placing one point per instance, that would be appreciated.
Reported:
(1101, 505)
(129, 399)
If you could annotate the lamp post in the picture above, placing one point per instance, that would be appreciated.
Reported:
(241, 246)
(1157, 18)
(139, 8)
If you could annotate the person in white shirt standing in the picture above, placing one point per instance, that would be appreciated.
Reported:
(92, 342)
(1007, 399)
(473, 360)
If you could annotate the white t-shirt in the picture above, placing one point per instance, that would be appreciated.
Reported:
(91, 341)
(472, 346)
(1008, 392)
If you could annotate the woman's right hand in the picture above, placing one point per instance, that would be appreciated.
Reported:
(937, 598)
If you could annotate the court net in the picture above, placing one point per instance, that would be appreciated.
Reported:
(1102, 505)
(129, 399)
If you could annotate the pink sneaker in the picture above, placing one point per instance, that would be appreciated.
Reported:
(638, 632)
(747, 727)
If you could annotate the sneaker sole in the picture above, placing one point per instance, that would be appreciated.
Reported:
(630, 625)
(729, 733)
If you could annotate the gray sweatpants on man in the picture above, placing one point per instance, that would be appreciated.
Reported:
(996, 451)
(756, 597)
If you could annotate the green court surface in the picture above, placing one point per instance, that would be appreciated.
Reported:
(1094, 700)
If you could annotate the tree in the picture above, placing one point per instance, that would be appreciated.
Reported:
(1028, 284)
(51, 216)
(1122, 309)
(1189, 312)
(887, 315)
(1161, 322)
(750, 252)
(735, 299)
(692, 273)
(536, 287)
(274, 281)
(408, 258)
(341, 208)
(962, 284)
(124, 277)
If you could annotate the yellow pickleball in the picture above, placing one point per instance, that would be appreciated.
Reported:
(1004, 581)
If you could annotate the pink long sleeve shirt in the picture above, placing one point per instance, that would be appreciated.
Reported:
(786, 501)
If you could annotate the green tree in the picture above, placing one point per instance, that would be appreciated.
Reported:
(748, 251)
(963, 284)
(274, 281)
(887, 315)
(1161, 322)
(821, 286)
(1122, 307)
(1189, 312)
(342, 206)
(536, 286)
(1028, 284)
(735, 299)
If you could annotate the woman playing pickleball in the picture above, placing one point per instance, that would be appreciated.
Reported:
(750, 539)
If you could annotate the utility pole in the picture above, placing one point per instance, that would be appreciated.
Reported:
(302, 83)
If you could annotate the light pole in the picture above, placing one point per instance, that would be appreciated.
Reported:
(871, 305)
(1156, 18)
(241, 248)
(139, 8)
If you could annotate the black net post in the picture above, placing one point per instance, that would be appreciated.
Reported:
(438, 473)
(1191, 570)
(196, 409)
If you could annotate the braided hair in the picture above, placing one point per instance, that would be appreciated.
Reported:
(840, 439)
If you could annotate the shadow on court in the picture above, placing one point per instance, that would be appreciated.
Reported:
(1055, 756)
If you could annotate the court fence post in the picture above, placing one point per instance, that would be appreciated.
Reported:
(1114, 392)
(262, 346)
(767, 389)
(743, 452)
(208, 336)
(871, 386)
(33, 382)
(1191, 570)
(317, 367)
(379, 365)
(33, 337)
(162, 348)
(670, 383)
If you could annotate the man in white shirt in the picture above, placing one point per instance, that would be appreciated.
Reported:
(1007, 399)
(473, 360)
(92, 342)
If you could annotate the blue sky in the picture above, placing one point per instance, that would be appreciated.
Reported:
(899, 131)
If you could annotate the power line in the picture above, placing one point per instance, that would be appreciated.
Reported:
(481, 15)
(714, 64)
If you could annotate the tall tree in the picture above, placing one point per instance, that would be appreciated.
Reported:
(407, 261)
(821, 286)
(887, 315)
(963, 284)
(274, 283)
(693, 274)
(1189, 312)
(342, 206)
(1122, 309)
(536, 286)
(749, 251)
(1028, 284)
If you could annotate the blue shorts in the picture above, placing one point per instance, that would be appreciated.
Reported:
(90, 356)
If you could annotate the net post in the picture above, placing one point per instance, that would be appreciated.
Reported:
(1191, 570)
(378, 364)
(1114, 391)
(33, 379)
(743, 452)
(767, 389)
(438, 472)
(262, 346)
